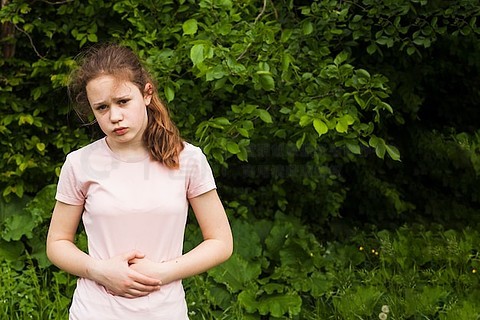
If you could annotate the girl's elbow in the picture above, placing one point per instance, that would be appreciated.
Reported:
(49, 251)
(228, 251)
(53, 250)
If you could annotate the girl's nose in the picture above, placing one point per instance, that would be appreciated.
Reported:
(115, 114)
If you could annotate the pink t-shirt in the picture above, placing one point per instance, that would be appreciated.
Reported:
(138, 205)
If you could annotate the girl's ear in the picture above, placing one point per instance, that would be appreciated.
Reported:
(148, 93)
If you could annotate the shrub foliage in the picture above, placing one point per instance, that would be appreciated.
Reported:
(335, 113)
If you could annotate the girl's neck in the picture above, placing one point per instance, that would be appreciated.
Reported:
(129, 151)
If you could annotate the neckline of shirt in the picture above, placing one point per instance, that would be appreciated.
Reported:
(117, 157)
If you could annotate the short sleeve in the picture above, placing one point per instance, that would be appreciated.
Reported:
(69, 188)
(200, 175)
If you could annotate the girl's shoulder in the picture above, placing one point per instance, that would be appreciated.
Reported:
(190, 151)
(187, 146)
(87, 150)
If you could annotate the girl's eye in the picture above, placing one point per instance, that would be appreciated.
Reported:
(101, 108)
(123, 101)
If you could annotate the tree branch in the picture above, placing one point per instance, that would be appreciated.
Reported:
(261, 12)
(31, 41)
(256, 20)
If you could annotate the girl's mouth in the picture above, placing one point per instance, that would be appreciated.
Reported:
(120, 131)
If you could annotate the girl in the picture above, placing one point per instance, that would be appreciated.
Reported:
(132, 189)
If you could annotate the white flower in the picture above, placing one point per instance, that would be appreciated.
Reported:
(382, 316)
(385, 309)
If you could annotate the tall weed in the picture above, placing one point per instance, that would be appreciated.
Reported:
(280, 270)
(34, 293)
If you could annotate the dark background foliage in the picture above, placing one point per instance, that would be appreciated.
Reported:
(346, 115)
(300, 107)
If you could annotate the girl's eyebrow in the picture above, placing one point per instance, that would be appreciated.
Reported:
(123, 97)
(96, 104)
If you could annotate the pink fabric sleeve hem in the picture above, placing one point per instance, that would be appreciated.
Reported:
(201, 190)
(68, 200)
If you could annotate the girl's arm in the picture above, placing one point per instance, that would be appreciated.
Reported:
(217, 245)
(114, 274)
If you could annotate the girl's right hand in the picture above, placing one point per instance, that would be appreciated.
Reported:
(120, 280)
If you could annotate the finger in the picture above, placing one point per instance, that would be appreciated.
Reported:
(135, 293)
(133, 254)
(144, 280)
(143, 288)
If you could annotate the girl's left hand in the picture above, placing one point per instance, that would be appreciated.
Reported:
(150, 268)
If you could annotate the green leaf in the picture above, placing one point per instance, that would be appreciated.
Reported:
(214, 73)
(38, 247)
(92, 37)
(379, 145)
(12, 208)
(320, 283)
(363, 73)
(372, 48)
(248, 300)
(40, 146)
(11, 250)
(374, 141)
(344, 122)
(236, 273)
(243, 154)
(320, 126)
(386, 106)
(393, 152)
(305, 120)
(222, 121)
(349, 120)
(196, 54)
(336, 31)
(380, 151)
(353, 147)
(359, 100)
(264, 115)
(17, 226)
(190, 27)
(232, 147)
(341, 126)
(299, 142)
(25, 118)
(273, 287)
(243, 132)
(248, 243)
(169, 92)
(307, 28)
(267, 82)
(286, 34)
(218, 296)
(217, 154)
(276, 305)
(340, 58)
(37, 92)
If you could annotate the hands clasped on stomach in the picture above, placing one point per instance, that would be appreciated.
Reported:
(129, 275)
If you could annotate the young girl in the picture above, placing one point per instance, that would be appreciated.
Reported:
(132, 189)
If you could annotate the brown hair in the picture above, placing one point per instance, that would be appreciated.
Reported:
(161, 136)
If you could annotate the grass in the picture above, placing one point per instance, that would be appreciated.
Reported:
(416, 273)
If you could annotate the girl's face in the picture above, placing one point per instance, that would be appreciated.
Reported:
(120, 109)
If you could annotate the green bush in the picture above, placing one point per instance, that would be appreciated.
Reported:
(281, 271)
(318, 117)
(34, 293)
(297, 96)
